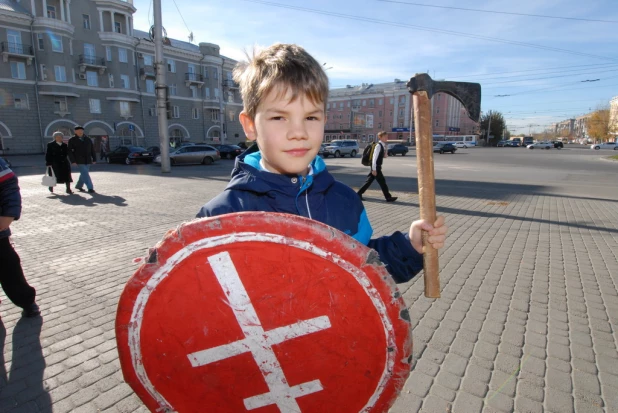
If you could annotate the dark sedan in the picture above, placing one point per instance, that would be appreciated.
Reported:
(397, 149)
(228, 151)
(129, 155)
(444, 147)
(154, 150)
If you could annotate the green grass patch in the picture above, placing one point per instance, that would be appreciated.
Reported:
(615, 157)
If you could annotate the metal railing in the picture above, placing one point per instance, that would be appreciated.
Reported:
(17, 48)
(91, 60)
(194, 77)
(230, 84)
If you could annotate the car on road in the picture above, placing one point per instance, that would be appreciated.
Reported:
(228, 151)
(511, 144)
(341, 148)
(461, 145)
(322, 149)
(540, 145)
(129, 155)
(606, 145)
(444, 147)
(194, 154)
(396, 149)
(155, 150)
(558, 144)
(501, 144)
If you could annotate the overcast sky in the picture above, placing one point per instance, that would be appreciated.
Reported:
(373, 41)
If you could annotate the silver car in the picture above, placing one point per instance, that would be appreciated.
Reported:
(341, 148)
(194, 154)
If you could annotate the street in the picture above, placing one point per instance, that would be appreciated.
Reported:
(529, 274)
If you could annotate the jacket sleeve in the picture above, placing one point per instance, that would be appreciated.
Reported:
(10, 198)
(71, 147)
(402, 261)
(48, 156)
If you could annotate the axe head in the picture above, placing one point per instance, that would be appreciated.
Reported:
(469, 94)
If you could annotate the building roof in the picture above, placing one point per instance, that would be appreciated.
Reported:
(12, 5)
(367, 89)
(173, 42)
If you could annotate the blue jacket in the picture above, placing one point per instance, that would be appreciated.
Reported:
(317, 196)
(10, 198)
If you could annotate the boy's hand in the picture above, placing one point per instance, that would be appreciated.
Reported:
(5, 222)
(437, 233)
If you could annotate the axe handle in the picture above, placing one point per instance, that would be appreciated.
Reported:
(426, 188)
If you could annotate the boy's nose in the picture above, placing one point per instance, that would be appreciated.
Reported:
(298, 130)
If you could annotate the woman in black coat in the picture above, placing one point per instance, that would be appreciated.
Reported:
(56, 156)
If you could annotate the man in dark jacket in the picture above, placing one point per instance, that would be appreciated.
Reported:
(81, 153)
(376, 169)
(12, 277)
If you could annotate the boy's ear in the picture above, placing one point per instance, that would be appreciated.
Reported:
(248, 125)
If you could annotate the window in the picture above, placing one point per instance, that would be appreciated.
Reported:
(95, 106)
(207, 93)
(147, 60)
(60, 104)
(122, 55)
(171, 66)
(380, 113)
(51, 12)
(108, 53)
(215, 73)
(400, 112)
(56, 42)
(328, 106)
(381, 102)
(111, 80)
(193, 91)
(150, 86)
(401, 124)
(71, 47)
(229, 77)
(173, 90)
(341, 105)
(191, 68)
(214, 115)
(195, 113)
(216, 93)
(41, 41)
(43, 72)
(437, 123)
(205, 73)
(152, 111)
(364, 103)
(125, 83)
(379, 125)
(390, 113)
(18, 70)
(117, 27)
(60, 73)
(86, 21)
(371, 103)
(125, 109)
(89, 53)
(176, 112)
(231, 116)
(92, 79)
(20, 101)
(392, 101)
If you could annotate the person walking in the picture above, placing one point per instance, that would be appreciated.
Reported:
(57, 156)
(81, 153)
(376, 169)
(12, 277)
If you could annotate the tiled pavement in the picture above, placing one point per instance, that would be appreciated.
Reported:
(526, 323)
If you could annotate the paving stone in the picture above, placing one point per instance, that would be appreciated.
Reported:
(558, 402)
(467, 403)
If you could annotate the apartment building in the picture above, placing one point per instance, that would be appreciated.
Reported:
(67, 63)
(613, 116)
(360, 112)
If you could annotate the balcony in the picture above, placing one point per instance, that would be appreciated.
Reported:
(194, 79)
(125, 5)
(147, 72)
(91, 62)
(18, 50)
(230, 84)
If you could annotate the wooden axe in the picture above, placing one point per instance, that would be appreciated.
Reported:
(423, 87)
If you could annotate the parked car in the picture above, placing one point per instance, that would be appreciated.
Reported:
(341, 148)
(322, 150)
(607, 145)
(155, 150)
(396, 149)
(511, 144)
(540, 145)
(558, 144)
(129, 155)
(444, 147)
(501, 144)
(460, 145)
(228, 151)
(193, 154)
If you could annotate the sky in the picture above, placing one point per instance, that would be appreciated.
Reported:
(534, 70)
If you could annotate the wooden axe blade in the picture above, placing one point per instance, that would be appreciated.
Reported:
(423, 88)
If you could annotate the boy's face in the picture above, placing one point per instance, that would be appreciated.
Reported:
(289, 134)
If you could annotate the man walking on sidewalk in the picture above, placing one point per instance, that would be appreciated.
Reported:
(81, 153)
(376, 169)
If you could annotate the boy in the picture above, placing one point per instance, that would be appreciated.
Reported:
(284, 91)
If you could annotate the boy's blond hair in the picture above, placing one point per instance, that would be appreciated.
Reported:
(285, 66)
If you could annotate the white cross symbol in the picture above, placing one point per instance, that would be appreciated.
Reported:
(259, 342)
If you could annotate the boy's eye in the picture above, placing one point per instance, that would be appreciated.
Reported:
(277, 118)
(312, 118)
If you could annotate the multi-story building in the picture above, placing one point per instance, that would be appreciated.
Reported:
(360, 112)
(564, 128)
(613, 116)
(67, 63)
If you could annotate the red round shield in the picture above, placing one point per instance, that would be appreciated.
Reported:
(262, 312)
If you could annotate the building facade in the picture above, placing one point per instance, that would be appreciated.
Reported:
(360, 112)
(68, 62)
(613, 116)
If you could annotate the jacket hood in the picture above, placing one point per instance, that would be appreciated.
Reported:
(248, 175)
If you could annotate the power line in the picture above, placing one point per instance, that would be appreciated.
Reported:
(428, 29)
(567, 70)
(182, 18)
(545, 78)
(538, 70)
(500, 12)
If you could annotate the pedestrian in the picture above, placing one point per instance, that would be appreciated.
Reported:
(379, 153)
(12, 277)
(81, 153)
(57, 156)
(284, 91)
(104, 149)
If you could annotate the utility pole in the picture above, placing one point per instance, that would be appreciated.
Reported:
(161, 89)
(488, 127)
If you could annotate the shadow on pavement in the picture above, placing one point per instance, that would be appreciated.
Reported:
(90, 200)
(27, 365)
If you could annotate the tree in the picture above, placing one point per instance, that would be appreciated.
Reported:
(507, 135)
(497, 126)
(598, 125)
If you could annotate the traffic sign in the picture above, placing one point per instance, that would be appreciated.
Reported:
(263, 312)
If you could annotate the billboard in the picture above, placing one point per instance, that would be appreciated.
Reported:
(369, 121)
(358, 120)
